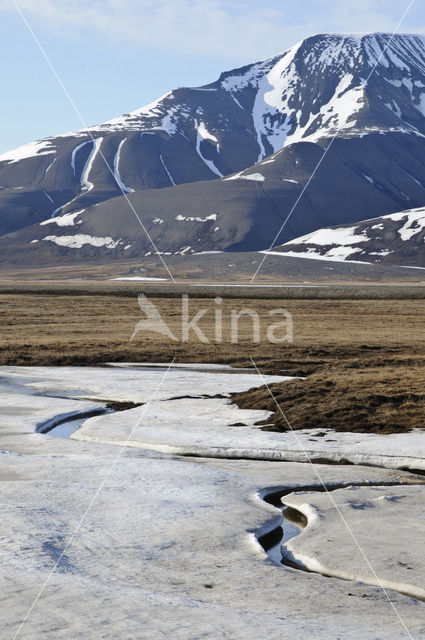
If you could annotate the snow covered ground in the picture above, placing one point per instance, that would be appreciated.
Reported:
(134, 383)
(168, 546)
(203, 427)
(140, 278)
(368, 511)
(183, 418)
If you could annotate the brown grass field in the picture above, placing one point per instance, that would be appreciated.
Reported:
(364, 360)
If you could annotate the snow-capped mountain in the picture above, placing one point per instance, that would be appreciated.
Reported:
(219, 167)
(398, 238)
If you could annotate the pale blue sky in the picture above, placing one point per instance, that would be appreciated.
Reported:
(114, 56)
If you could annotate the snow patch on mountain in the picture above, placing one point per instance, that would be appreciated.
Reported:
(117, 176)
(206, 135)
(80, 239)
(337, 115)
(234, 98)
(311, 254)
(414, 222)
(181, 218)
(275, 91)
(67, 220)
(343, 236)
(39, 148)
(256, 177)
(371, 239)
(85, 183)
(168, 124)
(203, 135)
(341, 253)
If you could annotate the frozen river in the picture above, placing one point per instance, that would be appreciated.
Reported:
(147, 522)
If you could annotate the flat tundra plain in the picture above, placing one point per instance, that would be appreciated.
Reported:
(363, 360)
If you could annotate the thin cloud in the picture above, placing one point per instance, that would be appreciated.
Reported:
(242, 30)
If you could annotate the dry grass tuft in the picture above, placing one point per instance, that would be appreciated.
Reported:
(386, 399)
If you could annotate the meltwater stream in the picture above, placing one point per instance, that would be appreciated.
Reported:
(294, 522)
(64, 425)
(286, 532)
